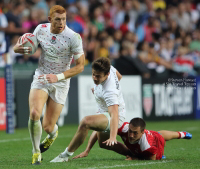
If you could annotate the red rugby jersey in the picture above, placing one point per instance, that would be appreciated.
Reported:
(149, 144)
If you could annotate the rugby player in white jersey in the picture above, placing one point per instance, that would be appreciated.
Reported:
(111, 115)
(51, 80)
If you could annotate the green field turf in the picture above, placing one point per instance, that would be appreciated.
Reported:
(15, 150)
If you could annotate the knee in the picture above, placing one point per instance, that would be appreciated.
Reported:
(34, 114)
(85, 123)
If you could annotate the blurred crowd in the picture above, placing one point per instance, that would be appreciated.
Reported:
(151, 38)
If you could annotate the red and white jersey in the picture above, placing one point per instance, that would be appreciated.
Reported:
(109, 93)
(149, 144)
(57, 49)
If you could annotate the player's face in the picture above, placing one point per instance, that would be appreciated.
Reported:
(58, 22)
(98, 77)
(134, 134)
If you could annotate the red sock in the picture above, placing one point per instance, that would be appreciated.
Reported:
(179, 134)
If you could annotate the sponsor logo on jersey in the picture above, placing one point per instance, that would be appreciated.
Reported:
(53, 40)
(147, 99)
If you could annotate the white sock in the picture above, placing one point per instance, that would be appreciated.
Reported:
(67, 153)
(53, 133)
(182, 134)
(35, 130)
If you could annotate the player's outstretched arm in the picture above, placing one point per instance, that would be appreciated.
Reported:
(91, 142)
(113, 110)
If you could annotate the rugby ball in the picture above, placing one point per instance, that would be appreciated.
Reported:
(31, 42)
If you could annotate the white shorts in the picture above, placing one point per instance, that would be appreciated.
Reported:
(57, 92)
(120, 123)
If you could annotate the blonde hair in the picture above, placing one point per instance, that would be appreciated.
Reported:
(56, 9)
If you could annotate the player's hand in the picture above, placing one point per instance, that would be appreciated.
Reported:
(92, 89)
(110, 142)
(83, 154)
(19, 48)
(49, 78)
(130, 158)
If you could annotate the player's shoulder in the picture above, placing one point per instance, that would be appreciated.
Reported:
(124, 128)
(144, 142)
(149, 136)
(71, 34)
(112, 68)
(150, 132)
(43, 26)
(112, 82)
(109, 87)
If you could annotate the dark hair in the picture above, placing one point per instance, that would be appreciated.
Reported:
(151, 45)
(101, 64)
(126, 18)
(140, 45)
(16, 4)
(156, 36)
(138, 122)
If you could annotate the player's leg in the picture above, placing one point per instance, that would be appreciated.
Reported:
(55, 103)
(118, 148)
(169, 135)
(37, 99)
(94, 122)
(50, 118)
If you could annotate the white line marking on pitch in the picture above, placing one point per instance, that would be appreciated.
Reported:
(192, 128)
(129, 165)
(17, 139)
(24, 139)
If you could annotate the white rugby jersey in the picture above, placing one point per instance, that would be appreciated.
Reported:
(57, 49)
(109, 93)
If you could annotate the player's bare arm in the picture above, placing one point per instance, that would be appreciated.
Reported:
(19, 48)
(76, 69)
(113, 111)
(119, 76)
(51, 78)
(91, 142)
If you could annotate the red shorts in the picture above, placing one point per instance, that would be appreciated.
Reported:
(160, 144)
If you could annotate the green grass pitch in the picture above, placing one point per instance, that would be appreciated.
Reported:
(15, 150)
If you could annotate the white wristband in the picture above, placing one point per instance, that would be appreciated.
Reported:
(60, 76)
